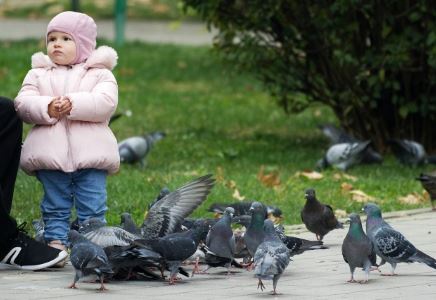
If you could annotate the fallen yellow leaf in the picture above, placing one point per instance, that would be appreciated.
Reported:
(237, 195)
(270, 180)
(311, 175)
(346, 187)
(360, 196)
(413, 198)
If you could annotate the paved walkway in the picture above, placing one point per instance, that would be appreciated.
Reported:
(319, 274)
(155, 32)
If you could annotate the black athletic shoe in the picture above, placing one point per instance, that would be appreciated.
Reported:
(27, 254)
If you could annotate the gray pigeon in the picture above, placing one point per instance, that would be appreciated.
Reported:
(271, 257)
(390, 244)
(408, 152)
(168, 213)
(428, 181)
(254, 234)
(338, 135)
(128, 224)
(87, 258)
(318, 217)
(99, 233)
(220, 241)
(136, 148)
(344, 155)
(357, 249)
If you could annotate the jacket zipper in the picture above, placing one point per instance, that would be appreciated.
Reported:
(67, 123)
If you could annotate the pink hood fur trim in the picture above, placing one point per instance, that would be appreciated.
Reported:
(104, 57)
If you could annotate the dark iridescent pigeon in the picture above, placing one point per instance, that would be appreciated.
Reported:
(99, 233)
(390, 244)
(254, 234)
(410, 152)
(87, 258)
(318, 217)
(177, 247)
(168, 213)
(136, 148)
(428, 182)
(271, 257)
(357, 249)
(298, 245)
(128, 224)
(343, 156)
(338, 135)
(220, 241)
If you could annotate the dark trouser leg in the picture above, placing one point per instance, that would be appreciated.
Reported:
(10, 150)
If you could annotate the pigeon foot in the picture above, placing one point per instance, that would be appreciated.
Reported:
(260, 285)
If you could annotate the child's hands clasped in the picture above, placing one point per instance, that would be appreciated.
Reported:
(59, 107)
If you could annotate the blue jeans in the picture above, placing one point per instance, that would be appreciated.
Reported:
(85, 189)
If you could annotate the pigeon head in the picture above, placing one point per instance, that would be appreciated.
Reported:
(354, 218)
(230, 211)
(256, 207)
(275, 214)
(74, 238)
(372, 210)
(268, 226)
(90, 225)
(310, 194)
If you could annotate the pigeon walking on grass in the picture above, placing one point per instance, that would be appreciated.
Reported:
(318, 217)
(428, 181)
(357, 249)
(271, 258)
(390, 244)
(136, 148)
(410, 152)
(87, 258)
(343, 156)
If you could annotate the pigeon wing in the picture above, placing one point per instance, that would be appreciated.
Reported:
(110, 236)
(393, 245)
(170, 211)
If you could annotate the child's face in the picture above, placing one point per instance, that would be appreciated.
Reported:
(61, 48)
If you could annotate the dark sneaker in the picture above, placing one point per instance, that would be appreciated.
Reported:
(27, 254)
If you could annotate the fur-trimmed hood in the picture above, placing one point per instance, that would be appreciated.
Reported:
(104, 57)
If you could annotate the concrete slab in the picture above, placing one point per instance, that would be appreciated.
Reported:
(319, 274)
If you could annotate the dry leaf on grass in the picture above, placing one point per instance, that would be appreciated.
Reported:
(231, 184)
(413, 198)
(310, 175)
(360, 196)
(346, 187)
(219, 177)
(340, 213)
(237, 195)
(339, 176)
(270, 180)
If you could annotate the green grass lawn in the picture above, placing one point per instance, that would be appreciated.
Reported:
(216, 122)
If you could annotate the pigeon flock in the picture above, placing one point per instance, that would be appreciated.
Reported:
(167, 240)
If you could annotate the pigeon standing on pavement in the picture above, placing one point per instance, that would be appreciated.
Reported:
(428, 181)
(271, 257)
(254, 234)
(344, 155)
(87, 258)
(318, 217)
(390, 244)
(136, 148)
(357, 249)
(220, 241)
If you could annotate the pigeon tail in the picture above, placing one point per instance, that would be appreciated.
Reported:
(424, 258)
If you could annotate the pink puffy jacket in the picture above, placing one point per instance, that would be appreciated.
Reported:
(82, 139)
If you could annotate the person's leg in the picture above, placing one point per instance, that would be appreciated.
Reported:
(11, 129)
(17, 250)
(90, 194)
(56, 204)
